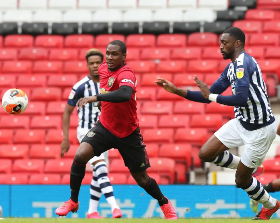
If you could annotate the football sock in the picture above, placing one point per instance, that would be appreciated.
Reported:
(152, 189)
(256, 192)
(76, 176)
(104, 184)
(269, 188)
(95, 194)
(226, 159)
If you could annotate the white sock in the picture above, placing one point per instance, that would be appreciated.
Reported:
(105, 185)
(95, 194)
(226, 159)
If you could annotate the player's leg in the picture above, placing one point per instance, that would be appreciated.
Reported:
(273, 186)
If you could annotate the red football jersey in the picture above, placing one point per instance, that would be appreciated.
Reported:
(119, 118)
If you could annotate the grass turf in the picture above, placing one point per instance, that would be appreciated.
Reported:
(153, 220)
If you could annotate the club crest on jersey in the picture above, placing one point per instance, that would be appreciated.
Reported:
(239, 73)
(90, 134)
(111, 81)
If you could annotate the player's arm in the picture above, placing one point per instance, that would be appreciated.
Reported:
(278, 130)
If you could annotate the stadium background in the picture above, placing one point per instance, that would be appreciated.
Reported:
(43, 45)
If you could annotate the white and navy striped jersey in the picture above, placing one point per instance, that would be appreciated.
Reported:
(89, 114)
(245, 72)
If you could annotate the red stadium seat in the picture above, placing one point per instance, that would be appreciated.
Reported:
(177, 152)
(264, 39)
(41, 151)
(249, 26)
(155, 54)
(14, 151)
(166, 96)
(155, 176)
(222, 65)
(56, 136)
(268, 4)
(49, 41)
(33, 54)
(1, 41)
(173, 121)
(56, 107)
(105, 39)
(28, 166)
(260, 15)
(44, 179)
(87, 179)
(30, 136)
(141, 40)
(31, 81)
(174, 66)
(5, 166)
(148, 121)
(272, 52)
(46, 94)
(117, 166)
(158, 135)
(172, 40)
(181, 172)
(117, 178)
(7, 81)
(17, 67)
(191, 135)
(214, 108)
(270, 66)
(203, 66)
(6, 136)
(75, 67)
(72, 151)
(160, 108)
(114, 154)
(212, 53)
(206, 121)
(149, 79)
(63, 54)
(8, 54)
(267, 178)
(142, 66)
(13, 178)
(47, 67)
(79, 41)
(45, 122)
(271, 26)
(163, 165)
(35, 108)
(152, 149)
(190, 53)
(186, 79)
(66, 93)
(211, 78)
(255, 51)
(271, 86)
(18, 41)
(15, 122)
(203, 39)
(188, 107)
(146, 93)
(62, 80)
(132, 54)
(58, 166)
(272, 165)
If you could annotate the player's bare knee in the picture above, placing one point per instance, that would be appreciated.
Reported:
(84, 153)
(141, 179)
(205, 156)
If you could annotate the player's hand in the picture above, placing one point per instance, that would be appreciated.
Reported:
(64, 147)
(167, 85)
(83, 101)
(203, 87)
(99, 105)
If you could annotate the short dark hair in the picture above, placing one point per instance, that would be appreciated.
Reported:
(236, 33)
(94, 52)
(119, 43)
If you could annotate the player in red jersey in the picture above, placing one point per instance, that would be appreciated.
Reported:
(118, 127)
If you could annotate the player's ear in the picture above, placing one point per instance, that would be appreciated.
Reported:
(238, 43)
(124, 56)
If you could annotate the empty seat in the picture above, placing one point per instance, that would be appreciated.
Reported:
(172, 66)
(52, 41)
(58, 166)
(211, 78)
(117, 166)
(149, 79)
(151, 4)
(239, 3)
(117, 178)
(35, 108)
(261, 15)
(6, 136)
(146, 93)
(174, 15)
(191, 135)
(264, 40)
(267, 178)
(77, 16)
(45, 122)
(16, 67)
(212, 53)
(142, 66)
(102, 15)
(272, 52)
(272, 165)
(95, 28)
(186, 27)
(16, 122)
(8, 4)
(155, 54)
(166, 96)
(61, 4)
(46, 94)
(203, 66)
(75, 67)
(163, 135)
(28, 166)
(269, 4)
(66, 179)
(186, 79)
(255, 51)
(62, 80)
(7, 81)
(230, 15)
(203, 39)
(56, 107)
(165, 166)
(29, 136)
(104, 40)
(89, 4)
(56, 136)
(157, 108)
(41, 151)
(63, 54)
(14, 151)
(155, 27)
(44, 179)
(141, 40)
(178, 152)
(269, 66)
(13, 178)
(188, 107)
(17, 16)
(8, 54)
(138, 15)
(216, 5)
(132, 54)
(47, 67)
(30, 4)
(125, 4)
(48, 15)
(5, 165)
(206, 121)
(152, 149)
(173, 121)
(148, 121)
(65, 29)
(79, 41)
(114, 154)
(33, 54)
(186, 53)
(31, 81)
(200, 15)
(214, 108)
(18, 41)
(182, 4)
(248, 26)
(171, 40)
(271, 26)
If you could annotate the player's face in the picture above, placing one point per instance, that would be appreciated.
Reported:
(93, 64)
(227, 46)
(114, 57)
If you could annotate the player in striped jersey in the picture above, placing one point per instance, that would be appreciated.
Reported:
(254, 124)
(88, 116)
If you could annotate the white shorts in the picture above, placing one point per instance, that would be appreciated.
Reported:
(80, 135)
(257, 142)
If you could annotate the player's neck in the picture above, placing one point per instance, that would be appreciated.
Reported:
(237, 53)
(94, 79)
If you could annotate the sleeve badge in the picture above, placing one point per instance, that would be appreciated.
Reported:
(239, 73)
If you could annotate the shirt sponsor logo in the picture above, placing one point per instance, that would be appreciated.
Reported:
(72, 94)
(239, 73)
(111, 81)
(127, 81)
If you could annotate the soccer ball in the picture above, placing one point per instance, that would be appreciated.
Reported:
(14, 101)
